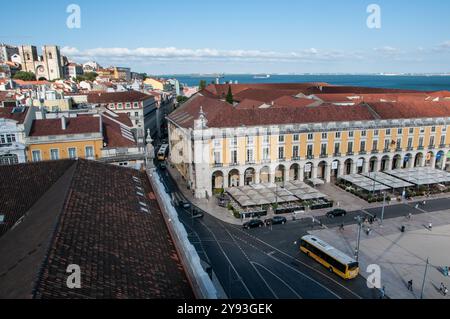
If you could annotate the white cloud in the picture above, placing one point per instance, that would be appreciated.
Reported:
(387, 50)
(205, 54)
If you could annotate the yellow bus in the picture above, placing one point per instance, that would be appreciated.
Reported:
(162, 153)
(334, 260)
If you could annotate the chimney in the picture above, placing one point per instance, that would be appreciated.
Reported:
(63, 123)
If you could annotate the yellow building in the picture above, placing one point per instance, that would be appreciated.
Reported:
(296, 136)
(65, 138)
(155, 84)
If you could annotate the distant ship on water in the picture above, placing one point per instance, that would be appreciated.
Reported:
(267, 76)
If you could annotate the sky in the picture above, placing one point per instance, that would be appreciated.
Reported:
(240, 36)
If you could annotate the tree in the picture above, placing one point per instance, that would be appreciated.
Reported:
(202, 85)
(25, 76)
(229, 97)
(181, 99)
(88, 76)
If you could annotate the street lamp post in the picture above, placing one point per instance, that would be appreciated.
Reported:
(359, 220)
(383, 208)
(424, 278)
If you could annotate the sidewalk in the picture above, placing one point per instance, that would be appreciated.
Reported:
(342, 199)
(210, 206)
(401, 256)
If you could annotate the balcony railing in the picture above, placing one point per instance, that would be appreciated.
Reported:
(387, 150)
(409, 149)
(362, 153)
(266, 161)
(323, 155)
(431, 147)
(295, 158)
(442, 146)
(282, 159)
(338, 154)
(217, 165)
(234, 164)
(420, 148)
(350, 153)
(250, 162)
(375, 152)
(310, 157)
(399, 149)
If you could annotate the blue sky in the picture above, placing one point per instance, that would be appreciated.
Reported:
(245, 36)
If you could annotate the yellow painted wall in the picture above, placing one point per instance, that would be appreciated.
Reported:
(63, 148)
(154, 83)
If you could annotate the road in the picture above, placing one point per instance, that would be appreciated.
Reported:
(265, 263)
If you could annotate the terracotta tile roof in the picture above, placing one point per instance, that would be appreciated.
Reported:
(400, 110)
(91, 216)
(115, 134)
(26, 184)
(26, 83)
(267, 96)
(117, 97)
(291, 101)
(9, 113)
(249, 104)
(75, 125)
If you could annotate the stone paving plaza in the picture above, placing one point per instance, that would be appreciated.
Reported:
(401, 256)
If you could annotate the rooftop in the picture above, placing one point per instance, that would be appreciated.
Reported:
(101, 217)
(117, 97)
(306, 103)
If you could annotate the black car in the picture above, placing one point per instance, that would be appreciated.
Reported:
(254, 223)
(185, 204)
(336, 213)
(276, 220)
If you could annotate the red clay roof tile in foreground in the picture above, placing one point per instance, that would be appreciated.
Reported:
(7, 113)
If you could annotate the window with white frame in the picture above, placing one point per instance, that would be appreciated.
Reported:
(296, 137)
(217, 158)
(295, 151)
(250, 156)
(281, 152)
(72, 152)
(310, 136)
(89, 152)
(281, 139)
(54, 154)
(266, 153)
(36, 155)
(234, 157)
(338, 135)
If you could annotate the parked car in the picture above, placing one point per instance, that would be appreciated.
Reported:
(336, 213)
(254, 223)
(276, 220)
(185, 205)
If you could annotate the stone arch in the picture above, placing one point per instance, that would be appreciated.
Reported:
(217, 180)
(250, 176)
(373, 164)
(429, 159)
(234, 178)
(264, 175)
(348, 165)
(294, 172)
(397, 161)
(385, 163)
(360, 165)
(322, 170)
(308, 171)
(418, 160)
(335, 167)
(440, 158)
(280, 173)
(408, 160)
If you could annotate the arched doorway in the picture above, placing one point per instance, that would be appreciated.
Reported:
(294, 172)
(385, 163)
(321, 170)
(397, 162)
(233, 178)
(429, 159)
(408, 161)
(348, 166)
(418, 160)
(440, 157)
(373, 164)
(264, 175)
(280, 172)
(308, 171)
(217, 181)
(249, 176)
(335, 169)
(360, 165)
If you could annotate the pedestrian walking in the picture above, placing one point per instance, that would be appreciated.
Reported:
(410, 285)
(443, 289)
(383, 292)
(430, 226)
(341, 227)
